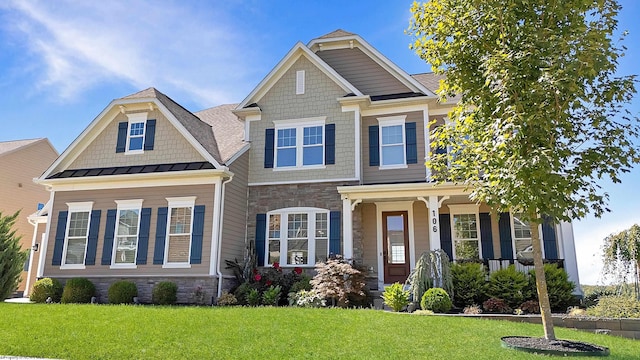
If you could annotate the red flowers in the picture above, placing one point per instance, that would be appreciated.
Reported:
(297, 270)
(276, 265)
(268, 283)
(257, 277)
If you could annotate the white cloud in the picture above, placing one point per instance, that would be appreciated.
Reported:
(193, 51)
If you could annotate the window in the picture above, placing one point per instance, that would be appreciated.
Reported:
(299, 143)
(179, 229)
(125, 246)
(522, 237)
(136, 132)
(465, 231)
(392, 142)
(75, 246)
(305, 240)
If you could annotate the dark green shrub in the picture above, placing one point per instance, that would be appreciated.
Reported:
(303, 284)
(241, 293)
(253, 297)
(496, 306)
(559, 287)
(616, 307)
(45, 288)
(271, 296)
(468, 284)
(436, 300)
(78, 291)
(509, 285)
(164, 293)
(122, 292)
(395, 297)
(592, 298)
(12, 256)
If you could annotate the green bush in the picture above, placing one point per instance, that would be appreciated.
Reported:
(241, 293)
(253, 297)
(45, 288)
(78, 291)
(436, 300)
(122, 292)
(509, 285)
(591, 299)
(616, 307)
(164, 293)
(468, 284)
(271, 296)
(395, 297)
(559, 287)
(303, 284)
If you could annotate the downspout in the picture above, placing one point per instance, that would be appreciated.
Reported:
(44, 244)
(218, 269)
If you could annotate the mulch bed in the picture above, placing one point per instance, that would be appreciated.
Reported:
(553, 347)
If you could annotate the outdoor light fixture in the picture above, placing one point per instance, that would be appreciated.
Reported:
(35, 247)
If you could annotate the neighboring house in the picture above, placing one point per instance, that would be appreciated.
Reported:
(325, 156)
(21, 161)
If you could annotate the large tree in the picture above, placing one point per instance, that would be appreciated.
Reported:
(621, 256)
(541, 117)
(12, 257)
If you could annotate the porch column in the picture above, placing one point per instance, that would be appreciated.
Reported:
(347, 228)
(434, 223)
(567, 251)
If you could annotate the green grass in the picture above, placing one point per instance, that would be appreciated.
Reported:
(146, 332)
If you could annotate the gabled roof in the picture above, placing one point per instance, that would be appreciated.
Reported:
(336, 33)
(8, 147)
(228, 130)
(432, 82)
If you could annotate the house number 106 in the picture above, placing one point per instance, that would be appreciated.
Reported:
(434, 221)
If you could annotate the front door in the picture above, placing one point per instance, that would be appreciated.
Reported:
(395, 235)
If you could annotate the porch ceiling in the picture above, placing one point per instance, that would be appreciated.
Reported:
(400, 191)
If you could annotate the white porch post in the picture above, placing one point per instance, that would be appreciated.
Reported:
(427, 141)
(347, 228)
(567, 251)
(434, 223)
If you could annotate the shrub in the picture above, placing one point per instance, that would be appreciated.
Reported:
(496, 306)
(395, 297)
(78, 291)
(306, 298)
(433, 269)
(592, 298)
(12, 256)
(472, 310)
(468, 284)
(122, 292)
(253, 297)
(338, 280)
(509, 285)
(436, 300)
(164, 293)
(241, 293)
(576, 312)
(303, 284)
(559, 287)
(227, 299)
(616, 307)
(530, 307)
(271, 296)
(45, 288)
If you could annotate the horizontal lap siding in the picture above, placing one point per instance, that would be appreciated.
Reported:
(235, 213)
(361, 71)
(413, 172)
(421, 228)
(369, 236)
(154, 198)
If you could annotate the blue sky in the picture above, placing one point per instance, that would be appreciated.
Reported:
(62, 62)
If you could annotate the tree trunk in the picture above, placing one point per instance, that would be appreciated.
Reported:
(541, 284)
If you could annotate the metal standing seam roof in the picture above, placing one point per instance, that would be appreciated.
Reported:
(135, 169)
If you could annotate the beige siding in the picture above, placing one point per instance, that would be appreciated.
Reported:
(19, 192)
(154, 198)
(362, 72)
(369, 236)
(235, 212)
(413, 172)
(169, 147)
(319, 99)
(421, 228)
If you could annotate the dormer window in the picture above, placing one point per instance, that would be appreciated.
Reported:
(136, 135)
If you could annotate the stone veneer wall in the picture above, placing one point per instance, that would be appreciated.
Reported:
(265, 198)
(186, 287)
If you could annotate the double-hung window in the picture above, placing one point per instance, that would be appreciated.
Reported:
(136, 132)
(300, 143)
(522, 237)
(392, 142)
(127, 230)
(465, 225)
(75, 245)
(179, 231)
(298, 236)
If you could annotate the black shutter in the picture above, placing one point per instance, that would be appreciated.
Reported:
(197, 235)
(121, 144)
(150, 134)
(412, 145)
(61, 232)
(445, 235)
(143, 237)
(269, 148)
(549, 239)
(334, 233)
(161, 233)
(92, 240)
(506, 243)
(486, 238)
(330, 144)
(109, 232)
(261, 232)
(374, 146)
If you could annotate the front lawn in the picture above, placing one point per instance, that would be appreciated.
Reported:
(139, 332)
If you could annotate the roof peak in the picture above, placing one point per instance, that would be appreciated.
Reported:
(336, 33)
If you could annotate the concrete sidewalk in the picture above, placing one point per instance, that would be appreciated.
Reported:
(17, 301)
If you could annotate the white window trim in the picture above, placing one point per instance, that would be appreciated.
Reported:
(464, 209)
(178, 202)
(72, 208)
(133, 204)
(513, 238)
(300, 82)
(136, 118)
(311, 234)
(393, 121)
(299, 125)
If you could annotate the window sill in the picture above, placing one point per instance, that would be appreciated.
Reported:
(123, 266)
(176, 266)
(307, 167)
(73, 267)
(392, 167)
(134, 152)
